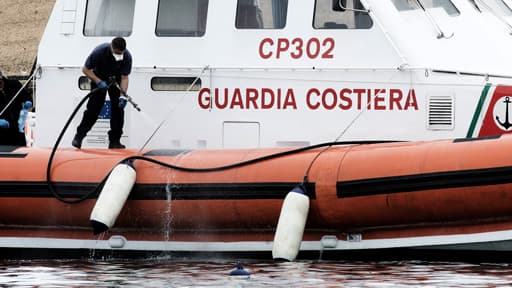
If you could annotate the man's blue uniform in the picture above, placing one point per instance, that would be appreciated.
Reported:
(104, 65)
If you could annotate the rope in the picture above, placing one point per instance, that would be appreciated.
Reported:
(19, 91)
(172, 110)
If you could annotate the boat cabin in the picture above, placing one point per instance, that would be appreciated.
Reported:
(213, 74)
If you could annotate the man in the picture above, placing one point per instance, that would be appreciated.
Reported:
(10, 132)
(106, 62)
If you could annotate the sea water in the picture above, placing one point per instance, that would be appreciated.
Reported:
(168, 272)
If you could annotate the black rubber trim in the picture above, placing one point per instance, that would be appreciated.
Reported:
(218, 191)
(491, 137)
(8, 148)
(207, 191)
(13, 155)
(425, 181)
(166, 152)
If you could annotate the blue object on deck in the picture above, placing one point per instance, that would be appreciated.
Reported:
(239, 271)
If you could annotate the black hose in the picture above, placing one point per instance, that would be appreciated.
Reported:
(252, 161)
(179, 168)
(55, 146)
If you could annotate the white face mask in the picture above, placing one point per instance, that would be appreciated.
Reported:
(118, 57)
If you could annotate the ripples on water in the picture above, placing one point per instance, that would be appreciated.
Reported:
(170, 273)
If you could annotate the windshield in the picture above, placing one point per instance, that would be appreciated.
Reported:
(447, 5)
(501, 7)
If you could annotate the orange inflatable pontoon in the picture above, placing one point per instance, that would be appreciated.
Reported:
(452, 194)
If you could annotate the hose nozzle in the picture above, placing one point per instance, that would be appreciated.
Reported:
(135, 105)
(128, 98)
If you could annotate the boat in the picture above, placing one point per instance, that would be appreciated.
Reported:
(446, 194)
(272, 128)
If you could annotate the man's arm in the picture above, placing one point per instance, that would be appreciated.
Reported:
(90, 74)
(124, 83)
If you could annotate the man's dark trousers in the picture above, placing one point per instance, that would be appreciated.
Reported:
(94, 105)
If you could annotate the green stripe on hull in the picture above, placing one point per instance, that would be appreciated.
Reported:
(478, 110)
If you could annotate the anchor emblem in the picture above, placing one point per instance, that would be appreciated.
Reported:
(507, 123)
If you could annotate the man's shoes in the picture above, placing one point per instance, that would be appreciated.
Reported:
(116, 145)
(77, 142)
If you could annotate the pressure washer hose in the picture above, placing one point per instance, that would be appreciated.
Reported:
(54, 150)
(96, 190)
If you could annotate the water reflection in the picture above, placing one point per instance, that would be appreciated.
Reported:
(169, 273)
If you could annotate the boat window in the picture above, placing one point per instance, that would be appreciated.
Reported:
(261, 14)
(328, 15)
(109, 17)
(473, 2)
(508, 4)
(446, 5)
(499, 7)
(175, 84)
(84, 83)
(181, 18)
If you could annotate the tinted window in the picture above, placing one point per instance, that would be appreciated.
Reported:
(499, 7)
(84, 83)
(178, 18)
(329, 15)
(261, 14)
(447, 5)
(109, 17)
(175, 84)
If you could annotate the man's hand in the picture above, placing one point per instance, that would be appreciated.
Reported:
(102, 85)
(122, 102)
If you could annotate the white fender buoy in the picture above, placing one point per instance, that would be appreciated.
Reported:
(112, 197)
(290, 227)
